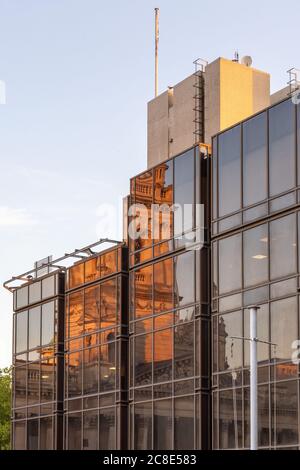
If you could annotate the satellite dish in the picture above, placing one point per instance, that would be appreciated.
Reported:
(247, 60)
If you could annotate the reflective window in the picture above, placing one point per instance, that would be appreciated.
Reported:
(143, 360)
(76, 275)
(255, 159)
(184, 423)
(184, 351)
(108, 263)
(108, 303)
(163, 425)
(48, 287)
(74, 374)
(284, 327)
(92, 270)
(107, 366)
(229, 171)
(20, 376)
(144, 195)
(143, 426)
(163, 286)
(33, 383)
(46, 433)
(34, 328)
(22, 297)
(263, 416)
(230, 265)
(163, 354)
(282, 147)
(76, 320)
(91, 308)
(74, 431)
(90, 371)
(107, 431)
(184, 191)
(48, 313)
(21, 331)
(283, 246)
(19, 435)
(230, 349)
(143, 292)
(34, 292)
(286, 403)
(230, 419)
(184, 279)
(256, 255)
(32, 434)
(47, 380)
(90, 430)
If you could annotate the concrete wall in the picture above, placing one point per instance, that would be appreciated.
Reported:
(171, 122)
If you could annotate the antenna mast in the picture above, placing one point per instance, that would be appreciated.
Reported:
(156, 48)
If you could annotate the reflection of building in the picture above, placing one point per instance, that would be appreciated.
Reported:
(171, 362)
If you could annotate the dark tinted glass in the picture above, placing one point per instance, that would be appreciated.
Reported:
(74, 431)
(282, 147)
(163, 286)
(163, 425)
(184, 423)
(90, 430)
(255, 159)
(283, 246)
(184, 279)
(184, 351)
(34, 332)
(256, 256)
(184, 191)
(107, 430)
(143, 359)
(230, 265)
(163, 354)
(143, 426)
(21, 336)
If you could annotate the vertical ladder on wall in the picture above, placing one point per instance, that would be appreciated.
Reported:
(198, 109)
(294, 80)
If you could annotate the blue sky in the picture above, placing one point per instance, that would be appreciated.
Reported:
(78, 75)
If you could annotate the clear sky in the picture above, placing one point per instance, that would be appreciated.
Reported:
(78, 75)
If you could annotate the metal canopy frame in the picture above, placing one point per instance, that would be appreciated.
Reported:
(81, 253)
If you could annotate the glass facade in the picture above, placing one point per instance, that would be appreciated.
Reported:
(96, 343)
(37, 402)
(152, 352)
(255, 260)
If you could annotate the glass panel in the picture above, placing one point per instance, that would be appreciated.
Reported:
(255, 159)
(92, 270)
(74, 431)
(282, 288)
(108, 303)
(32, 434)
(75, 374)
(184, 279)
(48, 287)
(230, 265)
(282, 147)
(230, 171)
(184, 423)
(90, 371)
(284, 327)
(283, 246)
(256, 256)
(47, 379)
(184, 192)
(76, 275)
(163, 196)
(107, 366)
(76, 319)
(143, 292)
(91, 309)
(144, 195)
(19, 435)
(21, 336)
(46, 433)
(263, 354)
(163, 425)
(263, 416)
(143, 360)
(255, 213)
(107, 429)
(109, 263)
(34, 292)
(90, 430)
(143, 426)
(230, 419)
(22, 297)
(215, 177)
(34, 328)
(230, 349)
(255, 296)
(282, 202)
(184, 351)
(230, 302)
(48, 312)
(286, 404)
(163, 354)
(163, 286)
(20, 375)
